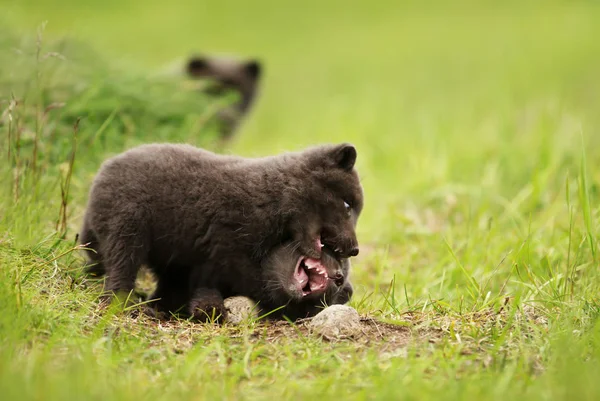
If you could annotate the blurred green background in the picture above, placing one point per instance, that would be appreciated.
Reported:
(477, 125)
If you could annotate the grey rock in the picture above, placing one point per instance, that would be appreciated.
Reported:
(336, 322)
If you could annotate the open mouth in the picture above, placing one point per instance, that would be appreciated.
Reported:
(310, 275)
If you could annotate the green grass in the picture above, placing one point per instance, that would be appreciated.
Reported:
(477, 131)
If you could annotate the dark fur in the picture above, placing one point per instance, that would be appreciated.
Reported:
(172, 207)
(277, 273)
(242, 77)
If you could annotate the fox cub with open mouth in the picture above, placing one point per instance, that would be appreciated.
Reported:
(279, 230)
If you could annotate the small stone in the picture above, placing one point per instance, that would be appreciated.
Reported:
(336, 322)
(239, 309)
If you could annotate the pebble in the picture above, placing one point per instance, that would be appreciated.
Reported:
(336, 322)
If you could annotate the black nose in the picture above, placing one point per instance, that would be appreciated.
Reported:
(353, 251)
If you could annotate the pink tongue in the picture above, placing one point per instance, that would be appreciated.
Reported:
(316, 280)
(301, 276)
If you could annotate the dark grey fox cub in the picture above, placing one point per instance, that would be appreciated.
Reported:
(279, 229)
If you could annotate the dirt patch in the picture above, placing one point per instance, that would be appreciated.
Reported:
(385, 337)
(181, 335)
(471, 335)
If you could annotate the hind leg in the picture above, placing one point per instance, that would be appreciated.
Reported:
(123, 256)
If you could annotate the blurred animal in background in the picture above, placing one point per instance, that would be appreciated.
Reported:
(224, 75)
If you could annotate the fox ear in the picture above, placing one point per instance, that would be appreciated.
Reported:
(253, 69)
(197, 66)
(344, 156)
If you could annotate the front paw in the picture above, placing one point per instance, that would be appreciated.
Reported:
(207, 306)
(207, 313)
